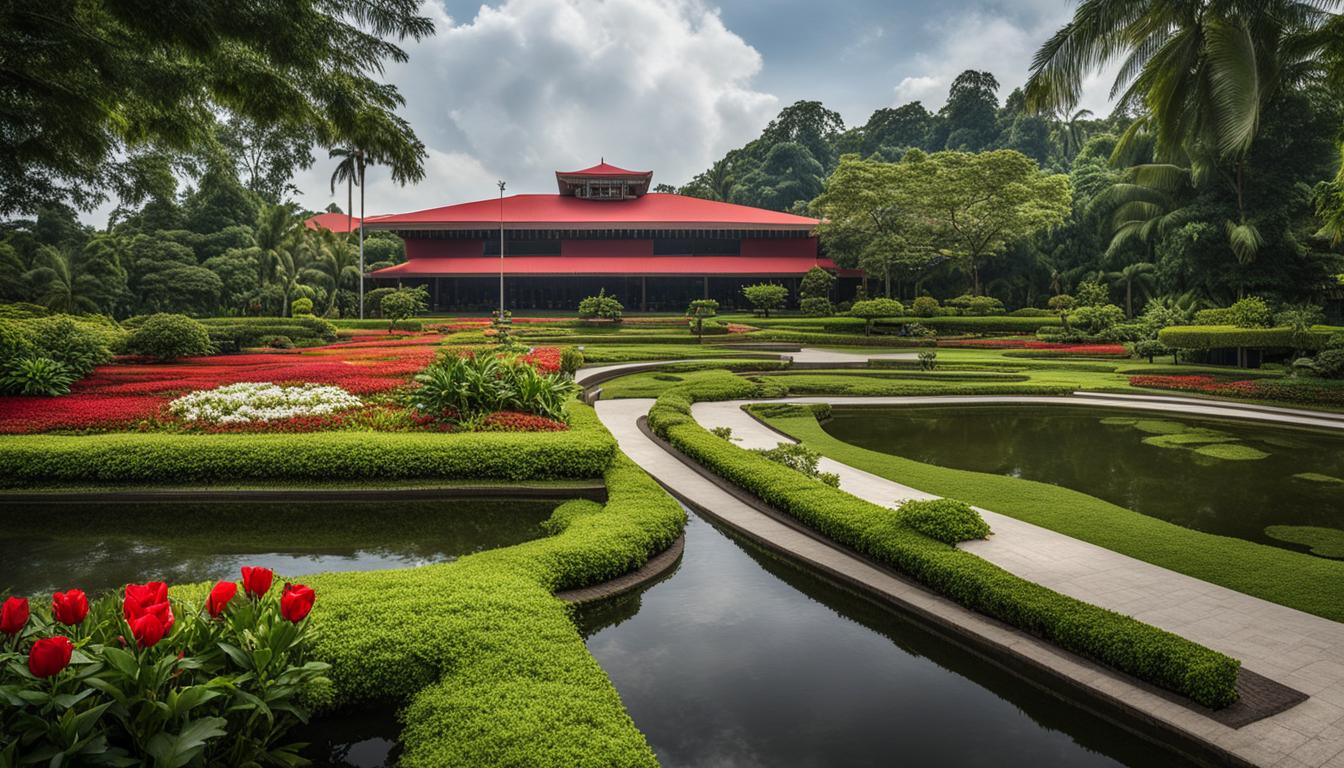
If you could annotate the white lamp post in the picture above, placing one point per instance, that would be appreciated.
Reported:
(501, 251)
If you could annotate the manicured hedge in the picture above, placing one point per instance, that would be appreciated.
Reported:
(159, 458)
(489, 664)
(236, 332)
(985, 324)
(1139, 649)
(834, 338)
(1229, 336)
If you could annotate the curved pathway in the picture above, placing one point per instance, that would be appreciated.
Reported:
(1296, 649)
(811, 355)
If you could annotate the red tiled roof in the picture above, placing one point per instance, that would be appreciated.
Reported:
(764, 266)
(564, 212)
(604, 169)
(336, 222)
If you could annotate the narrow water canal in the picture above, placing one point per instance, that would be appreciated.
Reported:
(740, 659)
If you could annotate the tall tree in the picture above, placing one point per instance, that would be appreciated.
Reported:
(979, 203)
(86, 80)
(1200, 75)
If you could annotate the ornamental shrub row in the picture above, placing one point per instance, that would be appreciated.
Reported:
(160, 458)
(238, 332)
(1228, 336)
(490, 663)
(1138, 649)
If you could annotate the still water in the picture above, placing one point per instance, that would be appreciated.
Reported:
(1231, 478)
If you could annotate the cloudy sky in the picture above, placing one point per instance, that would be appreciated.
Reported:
(517, 89)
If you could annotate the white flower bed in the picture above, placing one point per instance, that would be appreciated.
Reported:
(261, 401)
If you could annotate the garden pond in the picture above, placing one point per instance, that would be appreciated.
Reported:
(1258, 481)
(100, 546)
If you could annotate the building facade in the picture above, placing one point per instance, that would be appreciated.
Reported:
(603, 229)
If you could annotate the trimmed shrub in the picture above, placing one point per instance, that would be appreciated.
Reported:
(977, 306)
(301, 306)
(946, 520)
(1096, 319)
(234, 333)
(167, 337)
(765, 297)
(571, 360)
(601, 306)
(1139, 649)
(14, 342)
(166, 458)
(1227, 336)
(1031, 312)
(924, 306)
(872, 310)
(816, 306)
(816, 284)
(403, 304)
(79, 344)
(797, 457)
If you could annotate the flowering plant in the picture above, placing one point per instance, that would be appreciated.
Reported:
(252, 401)
(140, 678)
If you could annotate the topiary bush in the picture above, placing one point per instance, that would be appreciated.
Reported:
(571, 360)
(402, 304)
(79, 344)
(167, 337)
(872, 310)
(764, 297)
(601, 306)
(924, 306)
(946, 520)
(816, 306)
(301, 306)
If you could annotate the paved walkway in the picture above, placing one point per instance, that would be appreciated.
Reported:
(1294, 648)
(805, 355)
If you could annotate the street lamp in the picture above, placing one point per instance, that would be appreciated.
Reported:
(501, 251)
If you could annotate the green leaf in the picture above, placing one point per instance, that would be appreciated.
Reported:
(123, 661)
(175, 751)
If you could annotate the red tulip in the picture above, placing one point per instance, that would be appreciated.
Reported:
(296, 602)
(70, 607)
(220, 597)
(148, 629)
(149, 600)
(14, 615)
(49, 656)
(257, 581)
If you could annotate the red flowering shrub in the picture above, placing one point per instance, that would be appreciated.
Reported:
(1285, 390)
(513, 421)
(544, 359)
(89, 682)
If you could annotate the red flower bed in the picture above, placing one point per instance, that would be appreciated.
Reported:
(20, 414)
(544, 359)
(1285, 390)
(513, 421)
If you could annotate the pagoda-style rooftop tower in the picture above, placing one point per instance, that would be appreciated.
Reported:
(604, 182)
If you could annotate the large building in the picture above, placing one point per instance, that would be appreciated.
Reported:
(603, 229)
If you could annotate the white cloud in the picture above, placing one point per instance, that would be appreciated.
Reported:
(533, 86)
(983, 41)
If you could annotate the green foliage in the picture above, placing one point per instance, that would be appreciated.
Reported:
(1096, 319)
(816, 284)
(873, 309)
(79, 344)
(1124, 643)
(35, 376)
(212, 692)
(945, 520)
(816, 306)
(1250, 312)
(797, 457)
(490, 662)
(301, 306)
(699, 310)
(977, 306)
(236, 333)
(924, 306)
(571, 360)
(460, 388)
(725, 433)
(1228, 336)
(1092, 294)
(928, 359)
(765, 296)
(402, 304)
(601, 306)
(166, 458)
(166, 337)
(1151, 348)
(14, 341)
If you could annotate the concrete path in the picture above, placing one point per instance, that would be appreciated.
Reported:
(1299, 650)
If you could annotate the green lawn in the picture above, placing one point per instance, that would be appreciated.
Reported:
(1297, 580)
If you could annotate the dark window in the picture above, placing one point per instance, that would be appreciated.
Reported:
(668, 246)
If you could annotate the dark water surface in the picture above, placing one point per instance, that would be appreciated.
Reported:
(98, 547)
(1133, 459)
(739, 659)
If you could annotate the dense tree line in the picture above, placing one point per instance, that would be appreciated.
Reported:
(1154, 211)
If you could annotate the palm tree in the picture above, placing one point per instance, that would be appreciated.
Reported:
(350, 172)
(335, 260)
(351, 168)
(1199, 74)
(1140, 275)
(59, 282)
(277, 234)
(1072, 132)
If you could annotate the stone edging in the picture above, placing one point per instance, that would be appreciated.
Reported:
(654, 569)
